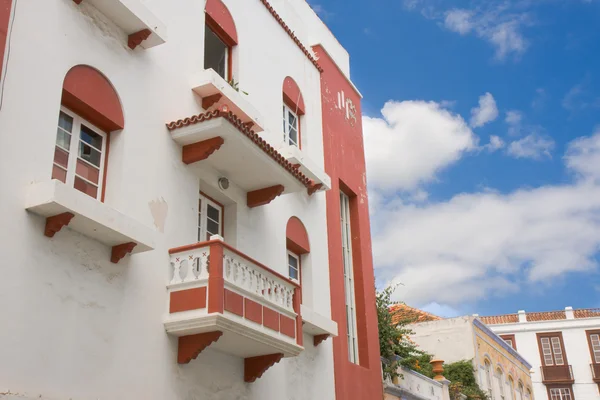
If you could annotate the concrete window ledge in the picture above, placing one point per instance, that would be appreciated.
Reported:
(307, 166)
(134, 18)
(62, 206)
(317, 325)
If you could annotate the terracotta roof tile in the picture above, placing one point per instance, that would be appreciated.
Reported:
(540, 316)
(254, 137)
(402, 312)
(587, 313)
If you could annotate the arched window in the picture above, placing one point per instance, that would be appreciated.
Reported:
(500, 381)
(297, 244)
(529, 396)
(293, 109)
(220, 36)
(511, 388)
(488, 377)
(520, 390)
(90, 110)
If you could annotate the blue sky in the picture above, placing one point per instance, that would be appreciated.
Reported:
(482, 134)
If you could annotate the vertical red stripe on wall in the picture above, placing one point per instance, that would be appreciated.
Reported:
(5, 7)
(345, 164)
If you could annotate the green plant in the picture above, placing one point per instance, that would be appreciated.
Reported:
(395, 345)
(236, 86)
(462, 376)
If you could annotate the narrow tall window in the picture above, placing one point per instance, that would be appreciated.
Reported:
(500, 381)
(511, 388)
(552, 351)
(79, 154)
(349, 279)
(294, 266)
(210, 218)
(520, 391)
(594, 341)
(290, 126)
(216, 54)
(560, 394)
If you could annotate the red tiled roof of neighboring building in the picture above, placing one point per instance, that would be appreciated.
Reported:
(402, 312)
(540, 316)
(260, 142)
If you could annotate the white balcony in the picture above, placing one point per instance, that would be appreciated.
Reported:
(216, 92)
(134, 18)
(220, 140)
(221, 298)
(62, 206)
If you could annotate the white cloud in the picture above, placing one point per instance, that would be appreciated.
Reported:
(441, 310)
(412, 142)
(513, 119)
(459, 21)
(487, 111)
(579, 97)
(534, 146)
(473, 245)
(496, 143)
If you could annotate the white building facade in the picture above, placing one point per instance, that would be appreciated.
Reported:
(562, 346)
(164, 235)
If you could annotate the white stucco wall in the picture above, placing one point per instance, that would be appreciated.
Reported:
(576, 348)
(75, 325)
(450, 340)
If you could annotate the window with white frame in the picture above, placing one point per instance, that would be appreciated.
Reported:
(349, 279)
(511, 388)
(290, 127)
(560, 394)
(500, 382)
(552, 351)
(520, 391)
(293, 266)
(594, 339)
(79, 154)
(210, 218)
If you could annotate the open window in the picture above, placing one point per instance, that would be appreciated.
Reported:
(210, 218)
(293, 109)
(293, 266)
(90, 110)
(219, 39)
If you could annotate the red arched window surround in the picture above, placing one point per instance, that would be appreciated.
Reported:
(293, 100)
(297, 244)
(219, 20)
(89, 94)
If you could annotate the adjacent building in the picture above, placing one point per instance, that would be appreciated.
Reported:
(500, 370)
(184, 209)
(563, 347)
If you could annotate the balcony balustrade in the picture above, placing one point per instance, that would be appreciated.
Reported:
(220, 297)
(557, 374)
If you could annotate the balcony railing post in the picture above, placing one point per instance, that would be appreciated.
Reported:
(216, 283)
(297, 299)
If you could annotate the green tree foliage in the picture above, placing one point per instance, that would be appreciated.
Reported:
(462, 376)
(394, 339)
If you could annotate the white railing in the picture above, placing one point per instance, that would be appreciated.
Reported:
(190, 266)
(249, 277)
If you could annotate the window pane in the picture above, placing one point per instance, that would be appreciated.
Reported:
(293, 120)
(63, 139)
(212, 227)
(215, 53)
(65, 121)
(91, 137)
(284, 120)
(89, 154)
(61, 157)
(293, 273)
(87, 171)
(59, 173)
(86, 187)
(212, 212)
(293, 136)
(292, 261)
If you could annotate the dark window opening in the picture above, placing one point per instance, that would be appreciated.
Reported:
(216, 54)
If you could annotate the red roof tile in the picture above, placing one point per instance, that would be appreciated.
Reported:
(260, 142)
(402, 312)
(540, 316)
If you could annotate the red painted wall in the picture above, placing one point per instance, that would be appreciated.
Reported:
(345, 164)
(5, 6)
